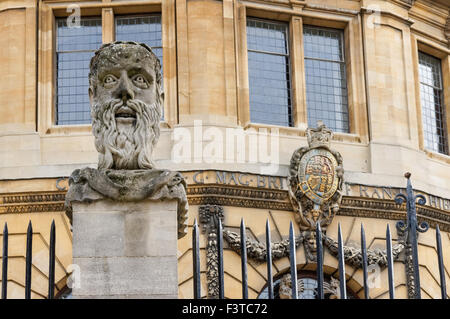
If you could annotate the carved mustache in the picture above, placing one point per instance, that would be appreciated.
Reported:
(120, 109)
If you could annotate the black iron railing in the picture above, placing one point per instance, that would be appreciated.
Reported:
(29, 262)
(410, 228)
(411, 241)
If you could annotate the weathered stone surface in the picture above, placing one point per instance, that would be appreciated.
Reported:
(109, 229)
(116, 276)
(125, 250)
(129, 186)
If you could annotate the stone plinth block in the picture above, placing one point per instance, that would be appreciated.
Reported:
(125, 249)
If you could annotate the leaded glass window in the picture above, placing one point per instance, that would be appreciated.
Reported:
(431, 97)
(269, 74)
(145, 29)
(326, 80)
(75, 45)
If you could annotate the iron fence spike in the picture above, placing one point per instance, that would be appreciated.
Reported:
(28, 261)
(220, 259)
(364, 262)
(269, 261)
(342, 279)
(244, 261)
(390, 263)
(320, 293)
(293, 261)
(441, 263)
(51, 270)
(196, 260)
(5, 263)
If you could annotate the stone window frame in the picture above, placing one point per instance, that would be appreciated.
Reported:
(49, 11)
(422, 44)
(297, 16)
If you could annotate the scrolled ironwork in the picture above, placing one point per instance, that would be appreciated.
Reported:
(400, 199)
(401, 226)
(422, 200)
(422, 227)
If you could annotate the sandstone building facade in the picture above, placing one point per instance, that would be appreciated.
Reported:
(242, 80)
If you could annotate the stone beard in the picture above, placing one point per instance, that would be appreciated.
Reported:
(126, 145)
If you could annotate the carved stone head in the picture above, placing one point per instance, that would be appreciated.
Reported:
(126, 104)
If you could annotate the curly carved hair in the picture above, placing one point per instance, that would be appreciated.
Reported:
(109, 53)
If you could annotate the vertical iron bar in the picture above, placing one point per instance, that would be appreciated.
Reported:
(51, 270)
(244, 261)
(364, 262)
(320, 294)
(28, 261)
(5, 263)
(220, 258)
(441, 263)
(196, 260)
(269, 261)
(390, 263)
(293, 261)
(342, 280)
(412, 233)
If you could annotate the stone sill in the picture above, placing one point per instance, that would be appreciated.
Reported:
(438, 156)
(81, 129)
(301, 131)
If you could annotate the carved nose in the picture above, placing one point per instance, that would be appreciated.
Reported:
(125, 91)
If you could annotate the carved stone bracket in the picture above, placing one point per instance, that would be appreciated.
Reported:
(209, 219)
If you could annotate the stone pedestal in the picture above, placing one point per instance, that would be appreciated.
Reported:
(125, 249)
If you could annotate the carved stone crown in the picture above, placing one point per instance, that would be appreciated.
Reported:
(320, 136)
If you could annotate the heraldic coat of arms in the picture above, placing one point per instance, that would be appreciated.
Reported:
(315, 180)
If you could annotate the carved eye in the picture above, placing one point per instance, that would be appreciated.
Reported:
(140, 80)
(109, 79)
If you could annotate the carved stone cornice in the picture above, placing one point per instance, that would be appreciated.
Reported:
(388, 209)
(32, 202)
(227, 195)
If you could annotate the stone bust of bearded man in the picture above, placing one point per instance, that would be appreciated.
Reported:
(126, 106)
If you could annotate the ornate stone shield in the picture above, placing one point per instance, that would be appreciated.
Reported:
(317, 175)
(315, 183)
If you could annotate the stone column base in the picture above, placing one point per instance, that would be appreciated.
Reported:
(125, 249)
